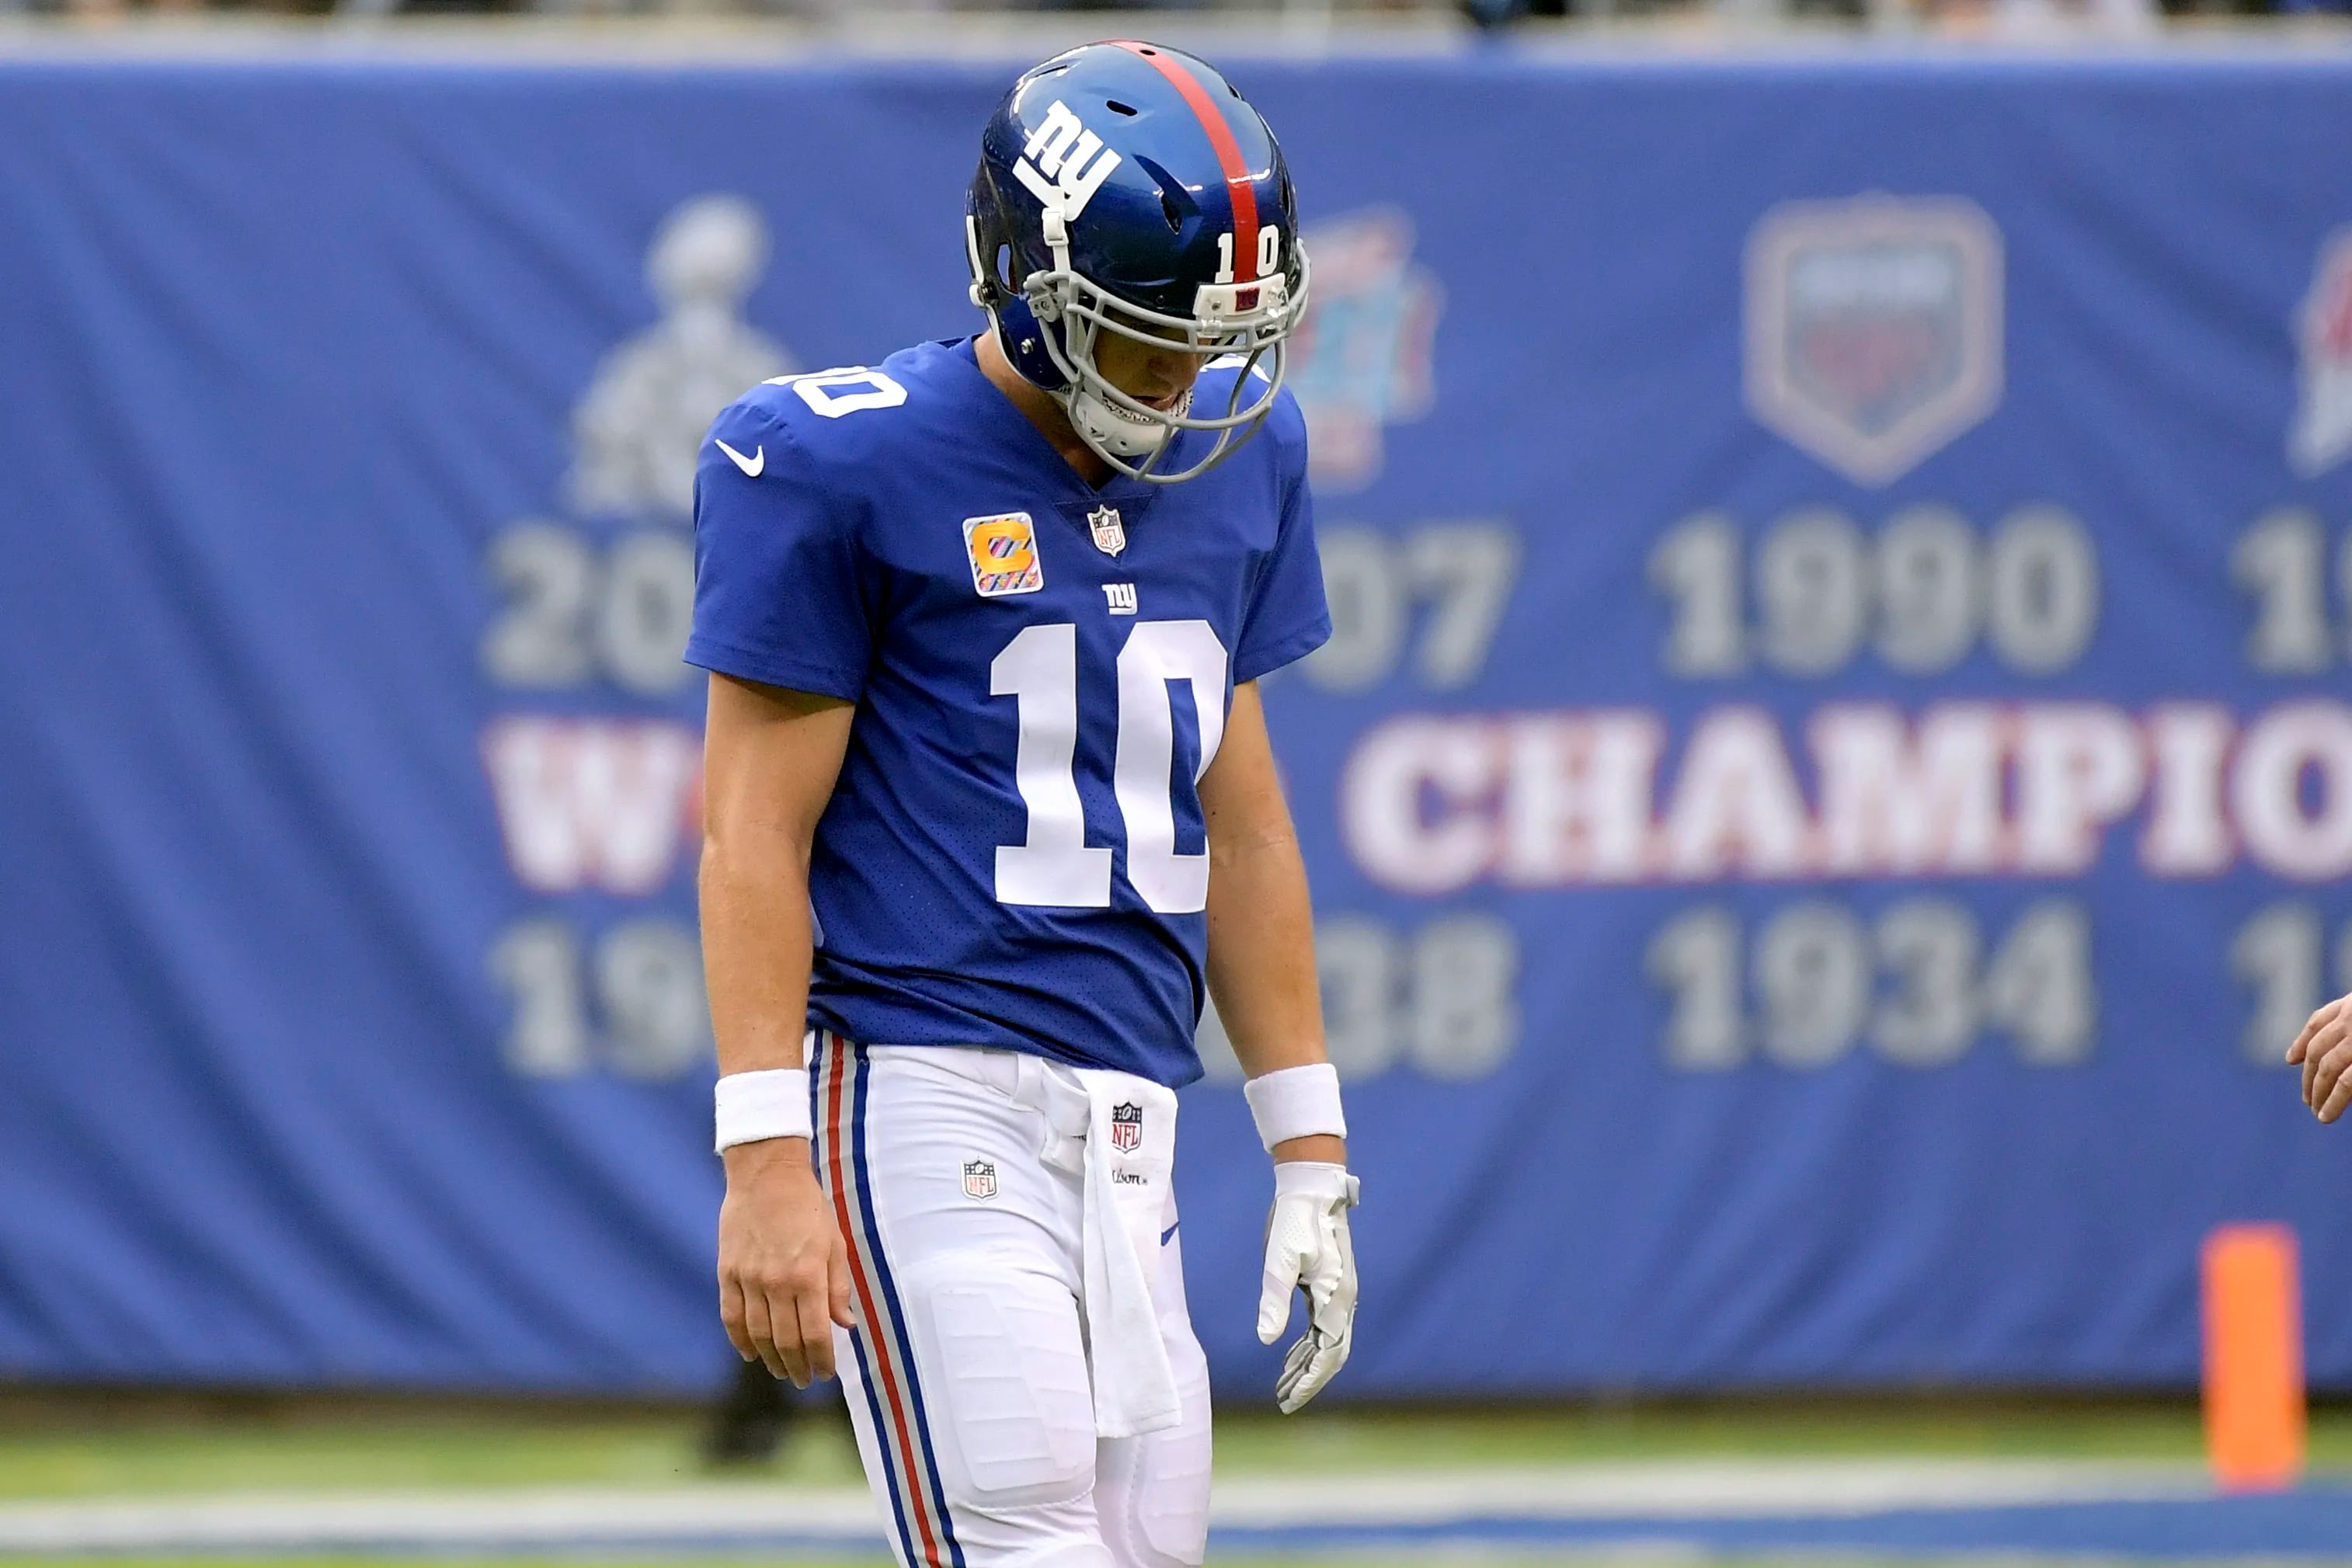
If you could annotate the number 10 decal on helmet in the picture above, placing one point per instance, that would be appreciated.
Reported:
(1129, 189)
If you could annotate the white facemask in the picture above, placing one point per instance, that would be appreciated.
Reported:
(1236, 323)
(1108, 427)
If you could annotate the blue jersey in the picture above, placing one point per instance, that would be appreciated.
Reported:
(1013, 855)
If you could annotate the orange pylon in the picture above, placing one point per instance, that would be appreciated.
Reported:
(2254, 1422)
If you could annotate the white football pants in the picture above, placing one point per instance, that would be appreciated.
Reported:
(968, 1377)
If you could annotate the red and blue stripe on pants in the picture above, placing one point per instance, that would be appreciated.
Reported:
(886, 1356)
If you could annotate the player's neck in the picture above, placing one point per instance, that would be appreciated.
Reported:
(1040, 409)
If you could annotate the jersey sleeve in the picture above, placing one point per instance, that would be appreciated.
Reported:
(782, 590)
(1287, 618)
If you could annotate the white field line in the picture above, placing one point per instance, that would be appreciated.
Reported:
(427, 1519)
(844, 1517)
(1721, 1490)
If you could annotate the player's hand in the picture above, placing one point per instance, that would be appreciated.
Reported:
(2324, 1051)
(1308, 1249)
(783, 1273)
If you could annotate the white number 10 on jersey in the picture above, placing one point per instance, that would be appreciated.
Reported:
(1056, 866)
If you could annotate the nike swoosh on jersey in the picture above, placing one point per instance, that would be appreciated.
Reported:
(753, 465)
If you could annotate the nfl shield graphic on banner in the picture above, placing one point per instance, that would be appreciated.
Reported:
(2322, 436)
(1362, 355)
(1110, 534)
(1126, 1128)
(1873, 328)
(979, 1179)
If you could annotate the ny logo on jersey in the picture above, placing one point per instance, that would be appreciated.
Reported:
(1065, 163)
(1126, 1128)
(1119, 598)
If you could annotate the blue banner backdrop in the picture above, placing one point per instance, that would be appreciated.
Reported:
(1832, 788)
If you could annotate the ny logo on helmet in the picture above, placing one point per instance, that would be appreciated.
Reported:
(1065, 163)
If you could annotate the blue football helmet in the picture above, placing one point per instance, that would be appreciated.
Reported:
(1130, 188)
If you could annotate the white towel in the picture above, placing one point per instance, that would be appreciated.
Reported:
(1127, 1192)
(1089, 1114)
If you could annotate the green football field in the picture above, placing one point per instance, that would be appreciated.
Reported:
(65, 1449)
(273, 1447)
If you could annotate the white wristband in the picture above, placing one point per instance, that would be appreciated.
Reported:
(772, 1103)
(1296, 1103)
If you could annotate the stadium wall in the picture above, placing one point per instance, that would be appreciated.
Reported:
(1832, 789)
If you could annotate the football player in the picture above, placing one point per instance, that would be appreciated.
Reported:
(989, 808)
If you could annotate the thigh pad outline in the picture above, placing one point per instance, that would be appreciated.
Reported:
(1004, 1362)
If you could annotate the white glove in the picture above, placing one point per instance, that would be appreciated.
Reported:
(1308, 1249)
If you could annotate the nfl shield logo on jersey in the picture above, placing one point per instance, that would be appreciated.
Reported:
(1873, 329)
(1110, 534)
(2322, 436)
(1126, 1128)
(1003, 553)
(979, 1179)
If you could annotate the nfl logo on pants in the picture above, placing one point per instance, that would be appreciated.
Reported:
(1126, 1128)
(979, 1179)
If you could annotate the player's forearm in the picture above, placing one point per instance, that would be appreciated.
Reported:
(1262, 966)
(756, 947)
(1261, 954)
(769, 759)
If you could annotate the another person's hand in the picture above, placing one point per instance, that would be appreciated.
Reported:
(783, 1273)
(2324, 1051)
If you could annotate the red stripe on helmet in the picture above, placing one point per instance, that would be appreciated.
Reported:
(1229, 154)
